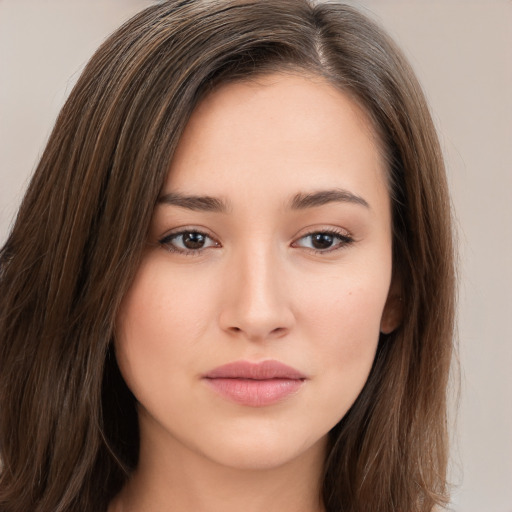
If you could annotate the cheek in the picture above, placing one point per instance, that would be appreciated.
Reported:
(347, 332)
(159, 322)
(167, 302)
(344, 306)
(341, 316)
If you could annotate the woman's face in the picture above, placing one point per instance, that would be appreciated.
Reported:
(253, 320)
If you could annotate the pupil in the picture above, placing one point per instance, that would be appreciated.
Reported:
(193, 240)
(322, 240)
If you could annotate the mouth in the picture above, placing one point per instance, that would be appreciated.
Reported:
(255, 384)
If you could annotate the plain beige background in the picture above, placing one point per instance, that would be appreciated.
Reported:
(462, 52)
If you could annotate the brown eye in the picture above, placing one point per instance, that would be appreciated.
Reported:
(324, 241)
(193, 240)
(187, 242)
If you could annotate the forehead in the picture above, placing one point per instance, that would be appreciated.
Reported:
(281, 130)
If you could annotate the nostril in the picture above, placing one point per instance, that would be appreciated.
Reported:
(274, 333)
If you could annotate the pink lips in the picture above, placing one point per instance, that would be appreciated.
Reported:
(255, 384)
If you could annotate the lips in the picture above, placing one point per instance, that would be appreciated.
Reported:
(255, 384)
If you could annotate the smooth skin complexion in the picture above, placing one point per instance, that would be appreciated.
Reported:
(271, 243)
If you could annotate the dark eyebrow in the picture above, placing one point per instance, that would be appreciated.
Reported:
(302, 201)
(196, 203)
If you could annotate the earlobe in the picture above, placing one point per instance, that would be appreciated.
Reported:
(393, 313)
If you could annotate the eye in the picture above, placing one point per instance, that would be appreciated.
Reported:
(187, 242)
(324, 241)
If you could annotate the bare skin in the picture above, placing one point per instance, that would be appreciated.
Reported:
(271, 242)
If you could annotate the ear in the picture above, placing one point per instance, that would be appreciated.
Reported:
(393, 313)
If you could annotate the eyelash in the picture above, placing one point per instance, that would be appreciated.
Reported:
(166, 242)
(344, 240)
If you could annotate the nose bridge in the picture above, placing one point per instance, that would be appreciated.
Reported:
(258, 306)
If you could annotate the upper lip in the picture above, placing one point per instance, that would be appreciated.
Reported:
(264, 370)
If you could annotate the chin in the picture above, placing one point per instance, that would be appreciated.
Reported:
(265, 450)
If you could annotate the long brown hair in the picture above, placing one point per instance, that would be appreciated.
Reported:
(68, 425)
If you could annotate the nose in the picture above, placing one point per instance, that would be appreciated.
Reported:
(256, 304)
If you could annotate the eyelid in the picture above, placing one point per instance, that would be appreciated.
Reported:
(343, 235)
(166, 241)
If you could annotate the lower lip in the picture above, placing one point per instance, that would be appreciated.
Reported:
(255, 393)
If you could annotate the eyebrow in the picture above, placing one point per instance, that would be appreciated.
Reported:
(195, 203)
(300, 201)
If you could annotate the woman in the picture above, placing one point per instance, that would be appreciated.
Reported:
(230, 283)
